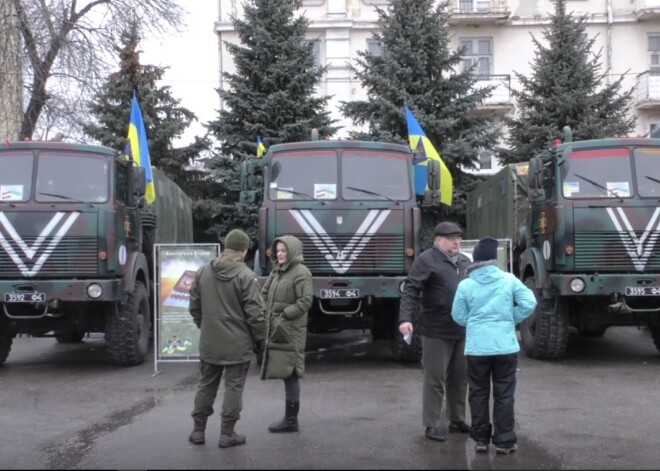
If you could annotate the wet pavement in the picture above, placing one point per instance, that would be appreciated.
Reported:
(65, 407)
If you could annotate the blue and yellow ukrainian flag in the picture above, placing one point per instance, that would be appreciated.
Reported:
(261, 148)
(138, 148)
(423, 150)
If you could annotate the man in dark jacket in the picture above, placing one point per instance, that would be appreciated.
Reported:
(435, 275)
(226, 304)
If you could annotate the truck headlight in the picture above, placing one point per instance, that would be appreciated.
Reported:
(577, 285)
(94, 291)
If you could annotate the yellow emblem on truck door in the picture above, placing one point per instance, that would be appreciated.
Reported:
(127, 226)
(543, 222)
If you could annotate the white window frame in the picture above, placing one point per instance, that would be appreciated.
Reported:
(489, 165)
(473, 55)
(317, 51)
(653, 51)
(654, 129)
(375, 47)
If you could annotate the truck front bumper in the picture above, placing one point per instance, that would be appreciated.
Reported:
(605, 284)
(376, 286)
(65, 290)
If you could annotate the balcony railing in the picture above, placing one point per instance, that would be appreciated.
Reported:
(479, 11)
(501, 94)
(648, 89)
(647, 9)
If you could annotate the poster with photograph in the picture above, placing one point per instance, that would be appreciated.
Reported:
(177, 336)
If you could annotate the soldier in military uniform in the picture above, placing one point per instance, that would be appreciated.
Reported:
(226, 304)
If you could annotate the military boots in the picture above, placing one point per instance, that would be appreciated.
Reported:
(228, 437)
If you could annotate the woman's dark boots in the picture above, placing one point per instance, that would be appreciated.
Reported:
(289, 423)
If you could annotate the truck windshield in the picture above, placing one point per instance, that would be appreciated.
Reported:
(647, 171)
(608, 170)
(15, 175)
(78, 177)
(375, 175)
(304, 175)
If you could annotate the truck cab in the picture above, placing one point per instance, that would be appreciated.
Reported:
(70, 246)
(353, 206)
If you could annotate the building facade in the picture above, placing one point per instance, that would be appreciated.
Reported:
(497, 35)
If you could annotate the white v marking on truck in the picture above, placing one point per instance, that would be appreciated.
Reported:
(30, 252)
(638, 251)
(340, 259)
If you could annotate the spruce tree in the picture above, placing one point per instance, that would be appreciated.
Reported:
(165, 120)
(418, 68)
(272, 94)
(565, 88)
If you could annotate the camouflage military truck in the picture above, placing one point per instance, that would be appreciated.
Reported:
(584, 221)
(76, 245)
(353, 206)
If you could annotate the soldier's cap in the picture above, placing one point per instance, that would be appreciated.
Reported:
(237, 240)
(448, 228)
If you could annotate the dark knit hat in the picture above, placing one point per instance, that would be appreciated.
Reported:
(448, 228)
(237, 240)
(486, 249)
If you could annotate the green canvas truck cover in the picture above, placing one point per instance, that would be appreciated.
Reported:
(499, 205)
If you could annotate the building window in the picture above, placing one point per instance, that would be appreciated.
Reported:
(478, 53)
(317, 52)
(654, 51)
(486, 159)
(375, 47)
(654, 130)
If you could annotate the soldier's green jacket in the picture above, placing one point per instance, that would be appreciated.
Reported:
(288, 297)
(226, 304)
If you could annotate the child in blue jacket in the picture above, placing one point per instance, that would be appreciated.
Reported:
(489, 303)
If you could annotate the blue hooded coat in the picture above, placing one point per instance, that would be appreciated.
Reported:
(489, 303)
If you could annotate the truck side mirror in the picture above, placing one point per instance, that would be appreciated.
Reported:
(248, 197)
(139, 180)
(433, 177)
(535, 173)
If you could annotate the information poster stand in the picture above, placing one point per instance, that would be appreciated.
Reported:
(176, 337)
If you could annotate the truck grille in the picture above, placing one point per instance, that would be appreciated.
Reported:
(73, 256)
(383, 254)
(606, 251)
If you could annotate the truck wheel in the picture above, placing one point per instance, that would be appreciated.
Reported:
(384, 322)
(401, 351)
(127, 332)
(5, 347)
(545, 333)
(69, 336)
(655, 334)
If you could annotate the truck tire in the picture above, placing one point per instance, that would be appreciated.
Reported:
(655, 335)
(384, 319)
(127, 331)
(5, 347)
(69, 336)
(403, 352)
(545, 333)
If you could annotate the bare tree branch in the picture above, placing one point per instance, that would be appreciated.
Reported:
(68, 45)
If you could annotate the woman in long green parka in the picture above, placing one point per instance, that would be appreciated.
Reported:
(288, 296)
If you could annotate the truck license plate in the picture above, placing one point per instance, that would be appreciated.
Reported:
(340, 293)
(643, 291)
(25, 297)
